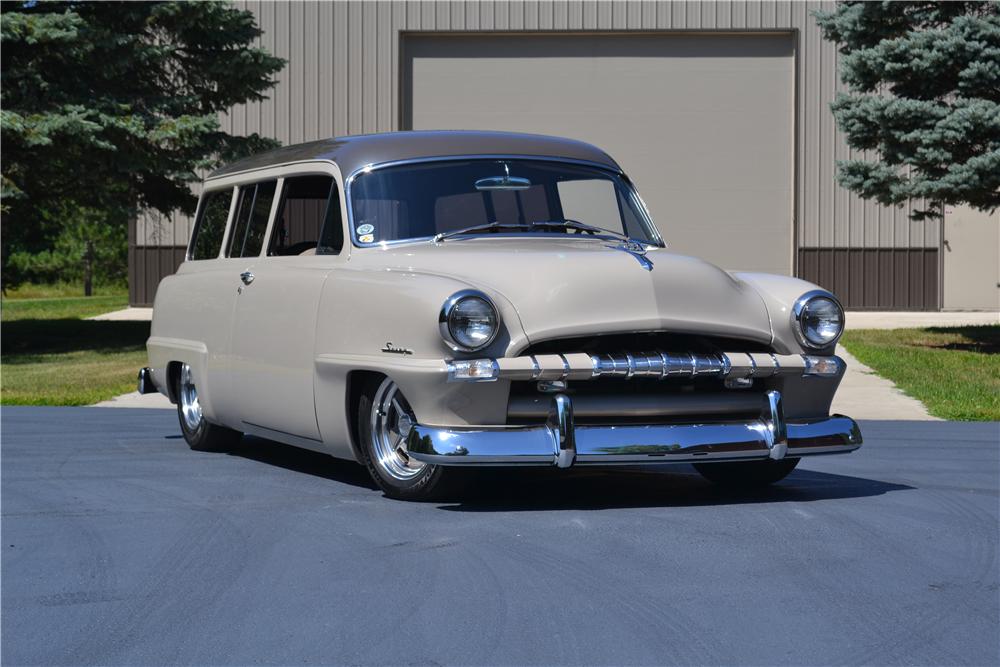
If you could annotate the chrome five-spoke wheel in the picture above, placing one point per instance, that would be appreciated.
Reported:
(385, 420)
(390, 423)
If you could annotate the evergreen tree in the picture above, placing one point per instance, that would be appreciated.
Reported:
(107, 108)
(925, 100)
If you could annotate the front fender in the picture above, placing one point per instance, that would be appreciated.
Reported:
(365, 314)
(779, 294)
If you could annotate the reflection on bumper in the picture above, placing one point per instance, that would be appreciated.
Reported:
(560, 442)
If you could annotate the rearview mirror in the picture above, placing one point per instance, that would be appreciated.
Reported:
(505, 182)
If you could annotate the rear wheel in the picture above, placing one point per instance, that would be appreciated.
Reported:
(746, 474)
(200, 435)
(384, 422)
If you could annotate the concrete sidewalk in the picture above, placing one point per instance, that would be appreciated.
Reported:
(136, 400)
(126, 315)
(865, 395)
(872, 319)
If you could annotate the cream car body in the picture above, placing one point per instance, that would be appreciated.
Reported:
(278, 346)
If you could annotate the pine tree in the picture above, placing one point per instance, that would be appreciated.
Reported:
(924, 81)
(107, 108)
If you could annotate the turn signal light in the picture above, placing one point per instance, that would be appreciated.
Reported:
(473, 370)
(826, 366)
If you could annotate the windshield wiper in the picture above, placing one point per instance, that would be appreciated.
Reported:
(537, 225)
(486, 227)
(584, 227)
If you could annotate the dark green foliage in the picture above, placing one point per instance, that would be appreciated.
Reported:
(925, 100)
(108, 108)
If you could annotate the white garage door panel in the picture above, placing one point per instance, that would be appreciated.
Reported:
(703, 123)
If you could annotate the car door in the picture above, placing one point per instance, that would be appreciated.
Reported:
(195, 306)
(274, 328)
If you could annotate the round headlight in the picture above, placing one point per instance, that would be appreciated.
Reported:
(469, 321)
(819, 319)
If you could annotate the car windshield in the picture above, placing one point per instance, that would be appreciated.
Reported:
(424, 200)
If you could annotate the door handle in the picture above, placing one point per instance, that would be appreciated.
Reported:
(246, 277)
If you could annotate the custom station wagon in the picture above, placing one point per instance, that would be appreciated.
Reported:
(423, 302)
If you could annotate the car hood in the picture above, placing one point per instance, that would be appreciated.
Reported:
(562, 288)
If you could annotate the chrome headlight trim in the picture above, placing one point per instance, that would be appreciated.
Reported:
(444, 319)
(799, 307)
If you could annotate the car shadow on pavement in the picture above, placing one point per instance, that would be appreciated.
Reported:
(517, 489)
(673, 486)
(303, 460)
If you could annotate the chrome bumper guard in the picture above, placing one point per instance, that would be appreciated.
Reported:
(559, 442)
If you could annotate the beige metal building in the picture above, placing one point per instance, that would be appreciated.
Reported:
(718, 110)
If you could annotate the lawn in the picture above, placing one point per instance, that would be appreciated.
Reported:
(954, 371)
(51, 355)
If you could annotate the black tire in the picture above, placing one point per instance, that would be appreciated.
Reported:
(746, 474)
(200, 434)
(428, 483)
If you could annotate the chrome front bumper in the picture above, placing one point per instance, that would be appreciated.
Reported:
(559, 442)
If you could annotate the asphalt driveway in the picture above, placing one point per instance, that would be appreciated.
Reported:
(121, 546)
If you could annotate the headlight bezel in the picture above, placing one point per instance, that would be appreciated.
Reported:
(448, 310)
(799, 308)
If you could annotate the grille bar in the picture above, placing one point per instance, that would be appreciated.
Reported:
(656, 364)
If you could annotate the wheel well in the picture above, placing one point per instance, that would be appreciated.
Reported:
(356, 382)
(173, 377)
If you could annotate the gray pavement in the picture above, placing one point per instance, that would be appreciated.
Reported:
(122, 547)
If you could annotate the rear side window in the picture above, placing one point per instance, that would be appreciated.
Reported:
(250, 223)
(210, 225)
(308, 220)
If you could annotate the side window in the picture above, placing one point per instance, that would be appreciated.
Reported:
(210, 225)
(250, 223)
(309, 211)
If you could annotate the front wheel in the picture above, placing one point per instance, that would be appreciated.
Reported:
(746, 474)
(384, 422)
(200, 435)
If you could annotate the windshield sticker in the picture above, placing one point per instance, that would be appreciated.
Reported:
(366, 238)
(365, 229)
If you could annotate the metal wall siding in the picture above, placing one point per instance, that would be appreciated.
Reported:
(343, 78)
(875, 278)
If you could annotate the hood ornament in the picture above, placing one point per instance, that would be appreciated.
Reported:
(637, 250)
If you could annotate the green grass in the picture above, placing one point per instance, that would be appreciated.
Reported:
(32, 291)
(59, 308)
(954, 371)
(50, 355)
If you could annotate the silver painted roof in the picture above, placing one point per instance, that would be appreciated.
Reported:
(354, 152)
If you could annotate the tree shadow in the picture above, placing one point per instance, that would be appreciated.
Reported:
(23, 338)
(985, 339)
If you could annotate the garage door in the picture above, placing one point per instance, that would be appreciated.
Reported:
(703, 124)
